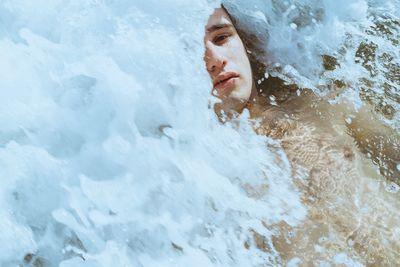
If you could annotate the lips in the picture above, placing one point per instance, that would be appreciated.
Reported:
(224, 78)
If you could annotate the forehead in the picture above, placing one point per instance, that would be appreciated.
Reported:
(217, 20)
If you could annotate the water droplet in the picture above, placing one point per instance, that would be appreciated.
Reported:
(392, 188)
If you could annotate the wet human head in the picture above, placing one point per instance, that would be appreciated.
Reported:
(227, 62)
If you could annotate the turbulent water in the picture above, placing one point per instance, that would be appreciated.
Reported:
(110, 152)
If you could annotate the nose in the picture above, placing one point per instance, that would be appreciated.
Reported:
(214, 58)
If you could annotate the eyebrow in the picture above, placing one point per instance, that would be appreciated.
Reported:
(219, 26)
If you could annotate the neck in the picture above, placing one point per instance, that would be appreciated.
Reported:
(255, 104)
(231, 108)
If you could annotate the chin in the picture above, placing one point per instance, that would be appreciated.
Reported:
(239, 95)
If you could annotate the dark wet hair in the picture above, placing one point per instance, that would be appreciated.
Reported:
(252, 43)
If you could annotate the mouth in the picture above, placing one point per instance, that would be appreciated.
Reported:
(224, 82)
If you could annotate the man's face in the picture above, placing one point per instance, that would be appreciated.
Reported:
(226, 60)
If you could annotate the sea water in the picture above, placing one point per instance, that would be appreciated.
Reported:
(110, 152)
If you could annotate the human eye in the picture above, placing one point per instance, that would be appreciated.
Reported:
(221, 38)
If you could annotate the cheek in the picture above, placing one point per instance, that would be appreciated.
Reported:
(245, 67)
(240, 58)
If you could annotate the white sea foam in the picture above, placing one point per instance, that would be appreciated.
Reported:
(110, 153)
(298, 33)
(109, 150)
